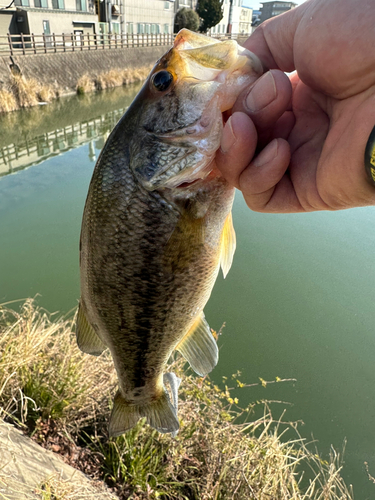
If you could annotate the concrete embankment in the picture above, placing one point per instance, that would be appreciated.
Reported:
(27, 471)
(65, 69)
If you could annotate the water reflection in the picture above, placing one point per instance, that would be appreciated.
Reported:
(31, 136)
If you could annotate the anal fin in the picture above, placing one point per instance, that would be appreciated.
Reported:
(87, 339)
(228, 245)
(199, 347)
(160, 414)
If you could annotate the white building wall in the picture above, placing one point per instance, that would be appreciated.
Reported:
(222, 26)
(236, 14)
(246, 17)
(148, 16)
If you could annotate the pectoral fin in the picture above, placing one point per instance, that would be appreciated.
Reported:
(228, 245)
(87, 339)
(160, 414)
(199, 347)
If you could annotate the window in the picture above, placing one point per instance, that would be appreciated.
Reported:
(129, 28)
(46, 28)
(147, 29)
(58, 4)
(166, 29)
(155, 29)
(41, 4)
(140, 28)
(23, 3)
(81, 5)
(167, 5)
(116, 28)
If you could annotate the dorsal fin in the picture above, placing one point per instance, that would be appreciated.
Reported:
(228, 245)
(199, 347)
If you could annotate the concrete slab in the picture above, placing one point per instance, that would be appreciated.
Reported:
(25, 466)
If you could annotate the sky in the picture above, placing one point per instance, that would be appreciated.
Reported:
(255, 4)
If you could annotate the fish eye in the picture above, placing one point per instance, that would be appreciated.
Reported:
(162, 80)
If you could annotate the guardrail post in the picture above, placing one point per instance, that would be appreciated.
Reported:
(54, 41)
(88, 41)
(23, 44)
(10, 44)
(33, 42)
(73, 42)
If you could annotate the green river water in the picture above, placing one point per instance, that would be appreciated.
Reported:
(297, 303)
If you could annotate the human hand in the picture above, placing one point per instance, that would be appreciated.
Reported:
(310, 130)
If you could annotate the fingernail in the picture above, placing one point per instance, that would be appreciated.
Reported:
(262, 93)
(228, 138)
(267, 155)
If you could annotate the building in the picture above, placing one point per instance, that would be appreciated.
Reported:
(235, 9)
(272, 9)
(48, 16)
(87, 16)
(179, 4)
(148, 16)
(234, 14)
(246, 19)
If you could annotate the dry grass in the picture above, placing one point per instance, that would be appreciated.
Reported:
(46, 93)
(117, 77)
(54, 488)
(85, 84)
(108, 80)
(46, 383)
(24, 93)
(7, 101)
(25, 90)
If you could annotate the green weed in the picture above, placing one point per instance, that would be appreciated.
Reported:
(64, 398)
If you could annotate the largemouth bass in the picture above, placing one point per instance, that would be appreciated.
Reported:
(157, 226)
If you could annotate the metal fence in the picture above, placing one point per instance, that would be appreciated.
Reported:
(44, 44)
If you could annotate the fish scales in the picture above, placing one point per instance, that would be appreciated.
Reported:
(156, 227)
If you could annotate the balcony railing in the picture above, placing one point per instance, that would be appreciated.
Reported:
(46, 44)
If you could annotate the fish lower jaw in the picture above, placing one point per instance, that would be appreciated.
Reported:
(190, 177)
(214, 173)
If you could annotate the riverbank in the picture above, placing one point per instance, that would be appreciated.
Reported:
(24, 93)
(28, 80)
(62, 399)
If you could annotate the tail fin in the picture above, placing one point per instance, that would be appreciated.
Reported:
(160, 414)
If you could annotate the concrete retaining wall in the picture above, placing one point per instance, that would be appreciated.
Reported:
(66, 68)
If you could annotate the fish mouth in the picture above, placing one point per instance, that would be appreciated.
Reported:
(198, 58)
(185, 185)
(208, 74)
